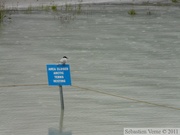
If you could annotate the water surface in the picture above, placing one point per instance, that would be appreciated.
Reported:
(131, 59)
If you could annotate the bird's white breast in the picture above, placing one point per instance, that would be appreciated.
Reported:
(63, 60)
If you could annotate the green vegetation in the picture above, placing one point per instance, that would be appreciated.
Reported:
(79, 9)
(68, 7)
(46, 8)
(1, 15)
(174, 1)
(132, 12)
(2, 11)
(29, 10)
(54, 7)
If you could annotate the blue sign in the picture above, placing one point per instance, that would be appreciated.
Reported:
(58, 74)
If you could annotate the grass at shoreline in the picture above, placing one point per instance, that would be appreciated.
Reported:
(2, 11)
(79, 8)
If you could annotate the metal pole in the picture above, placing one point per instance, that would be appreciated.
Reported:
(61, 97)
(61, 121)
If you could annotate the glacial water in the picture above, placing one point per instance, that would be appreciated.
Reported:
(125, 70)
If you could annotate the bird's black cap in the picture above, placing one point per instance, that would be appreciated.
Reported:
(65, 57)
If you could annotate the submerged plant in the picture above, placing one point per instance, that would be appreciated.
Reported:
(149, 13)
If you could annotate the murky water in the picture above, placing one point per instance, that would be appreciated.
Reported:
(125, 70)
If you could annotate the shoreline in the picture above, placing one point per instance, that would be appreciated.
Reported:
(19, 6)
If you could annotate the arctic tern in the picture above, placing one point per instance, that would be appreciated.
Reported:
(63, 60)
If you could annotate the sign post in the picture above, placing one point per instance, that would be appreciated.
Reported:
(61, 97)
(59, 75)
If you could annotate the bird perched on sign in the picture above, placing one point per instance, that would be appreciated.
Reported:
(63, 60)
